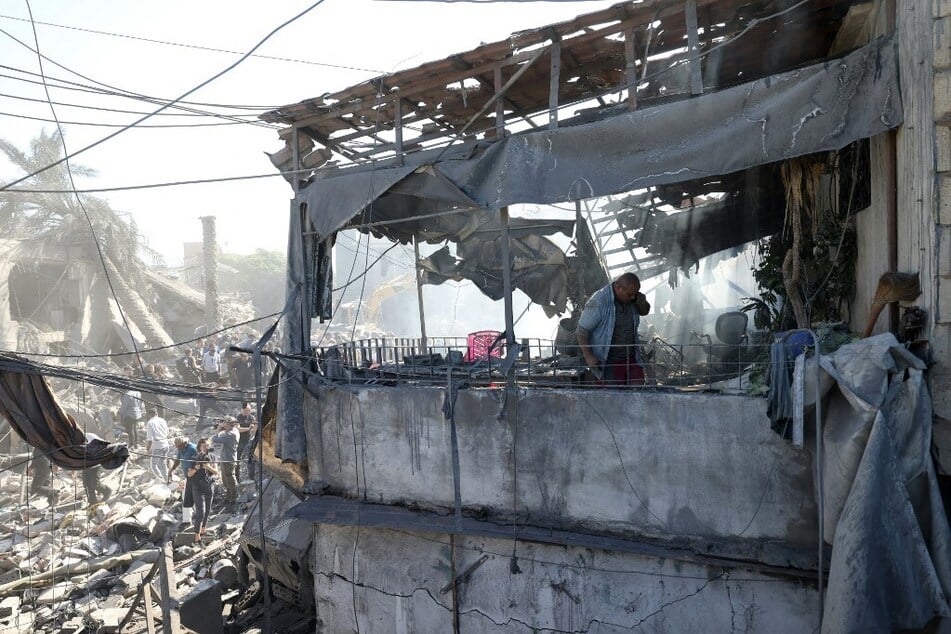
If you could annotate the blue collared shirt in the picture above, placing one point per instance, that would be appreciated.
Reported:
(597, 319)
(186, 455)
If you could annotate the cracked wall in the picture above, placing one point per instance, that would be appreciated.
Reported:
(697, 466)
(386, 580)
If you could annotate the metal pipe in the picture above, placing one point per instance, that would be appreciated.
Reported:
(265, 580)
(419, 296)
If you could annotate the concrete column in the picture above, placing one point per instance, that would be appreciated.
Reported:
(210, 250)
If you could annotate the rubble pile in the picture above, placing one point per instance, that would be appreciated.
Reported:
(71, 567)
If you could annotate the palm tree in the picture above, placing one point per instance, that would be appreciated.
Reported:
(58, 217)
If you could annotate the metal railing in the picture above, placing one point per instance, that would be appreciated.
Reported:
(539, 362)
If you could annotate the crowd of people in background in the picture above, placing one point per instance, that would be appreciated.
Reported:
(222, 451)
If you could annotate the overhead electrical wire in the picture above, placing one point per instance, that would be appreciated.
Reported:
(82, 205)
(65, 84)
(119, 125)
(198, 47)
(119, 91)
(204, 83)
(116, 110)
(125, 188)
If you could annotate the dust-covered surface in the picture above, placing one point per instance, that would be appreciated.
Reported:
(884, 516)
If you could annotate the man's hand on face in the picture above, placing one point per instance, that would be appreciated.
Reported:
(641, 304)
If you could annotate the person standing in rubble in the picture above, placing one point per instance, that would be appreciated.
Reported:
(156, 443)
(42, 471)
(90, 476)
(607, 332)
(200, 475)
(185, 454)
(211, 364)
(130, 412)
(228, 437)
(188, 368)
(247, 423)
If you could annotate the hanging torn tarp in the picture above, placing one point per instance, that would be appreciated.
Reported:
(818, 108)
(539, 267)
(30, 407)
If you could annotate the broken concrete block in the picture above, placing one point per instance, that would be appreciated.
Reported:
(10, 575)
(110, 619)
(200, 608)
(157, 494)
(184, 538)
(9, 606)
(57, 594)
(136, 573)
(147, 515)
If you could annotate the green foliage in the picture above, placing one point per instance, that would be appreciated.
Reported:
(828, 261)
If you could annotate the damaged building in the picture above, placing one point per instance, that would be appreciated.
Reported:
(480, 484)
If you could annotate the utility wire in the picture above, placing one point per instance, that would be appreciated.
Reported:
(119, 91)
(117, 110)
(65, 84)
(143, 350)
(163, 107)
(125, 188)
(79, 200)
(199, 47)
(120, 125)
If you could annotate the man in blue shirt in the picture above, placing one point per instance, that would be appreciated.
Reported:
(185, 456)
(607, 331)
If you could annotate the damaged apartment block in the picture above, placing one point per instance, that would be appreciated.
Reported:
(488, 483)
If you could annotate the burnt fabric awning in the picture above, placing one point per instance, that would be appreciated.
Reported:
(818, 108)
(33, 413)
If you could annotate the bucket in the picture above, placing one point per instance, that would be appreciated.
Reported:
(566, 340)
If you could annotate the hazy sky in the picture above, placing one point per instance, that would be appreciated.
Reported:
(360, 34)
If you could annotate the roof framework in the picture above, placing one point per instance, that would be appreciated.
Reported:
(570, 72)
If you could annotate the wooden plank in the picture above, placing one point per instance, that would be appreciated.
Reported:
(171, 624)
(149, 617)
(553, 83)
(630, 75)
(398, 119)
(693, 47)
(499, 107)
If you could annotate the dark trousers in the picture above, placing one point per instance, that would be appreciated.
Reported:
(623, 373)
(202, 493)
(93, 487)
(242, 455)
(131, 429)
(188, 497)
(228, 479)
